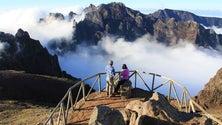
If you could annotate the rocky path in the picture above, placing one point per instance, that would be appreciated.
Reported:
(82, 114)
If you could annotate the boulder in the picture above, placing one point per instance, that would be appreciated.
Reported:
(102, 115)
(157, 107)
(156, 111)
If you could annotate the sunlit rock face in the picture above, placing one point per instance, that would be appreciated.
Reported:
(118, 20)
(187, 16)
(156, 111)
(211, 95)
(115, 19)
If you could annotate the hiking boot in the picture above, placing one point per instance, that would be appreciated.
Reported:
(112, 95)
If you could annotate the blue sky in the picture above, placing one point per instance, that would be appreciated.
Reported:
(199, 7)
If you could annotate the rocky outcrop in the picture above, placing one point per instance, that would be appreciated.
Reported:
(54, 16)
(105, 116)
(211, 95)
(118, 20)
(187, 16)
(172, 31)
(155, 111)
(114, 18)
(20, 52)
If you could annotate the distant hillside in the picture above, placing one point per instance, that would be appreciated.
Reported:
(115, 19)
(121, 21)
(187, 16)
(20, 52)
(17, 85)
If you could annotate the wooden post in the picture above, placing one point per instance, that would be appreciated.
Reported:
(99, 85)
(58, 119)
(192, 107)
(169, 92)
(175, 92)
(67, 107)
(183, 100)
(71, 100)
(83, 90)
(153, 82)
(63, 112)
(77, 97)
(51, 121)
(186, 100)
(135, 79)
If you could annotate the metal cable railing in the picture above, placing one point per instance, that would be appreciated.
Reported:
(59, 114)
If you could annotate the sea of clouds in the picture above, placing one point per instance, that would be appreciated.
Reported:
(186, 63)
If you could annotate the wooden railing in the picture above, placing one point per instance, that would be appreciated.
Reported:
(150, 81)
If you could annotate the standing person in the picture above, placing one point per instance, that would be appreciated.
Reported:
(110, 73)
(124, 77)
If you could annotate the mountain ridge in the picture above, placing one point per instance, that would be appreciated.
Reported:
(118, 20)
(181, 15)
(21, 52)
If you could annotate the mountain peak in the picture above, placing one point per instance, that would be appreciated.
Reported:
(22, 34)
(118, 20)
(26, 54)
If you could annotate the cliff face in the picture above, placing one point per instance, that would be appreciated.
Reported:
(167, 26)
(172, 31)
(212, 93)
(186, 16)
(115, 19)
(20, 52)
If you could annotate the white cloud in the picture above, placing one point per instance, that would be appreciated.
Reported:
(65, 10)
(3, 45)
(28, 18)
(216, 29)
(184, 63)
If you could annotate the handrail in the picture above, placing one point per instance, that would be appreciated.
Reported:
(185, 101)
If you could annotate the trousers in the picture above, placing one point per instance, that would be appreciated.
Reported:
(110, 86)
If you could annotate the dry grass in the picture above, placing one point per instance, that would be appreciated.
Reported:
(22, 113)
